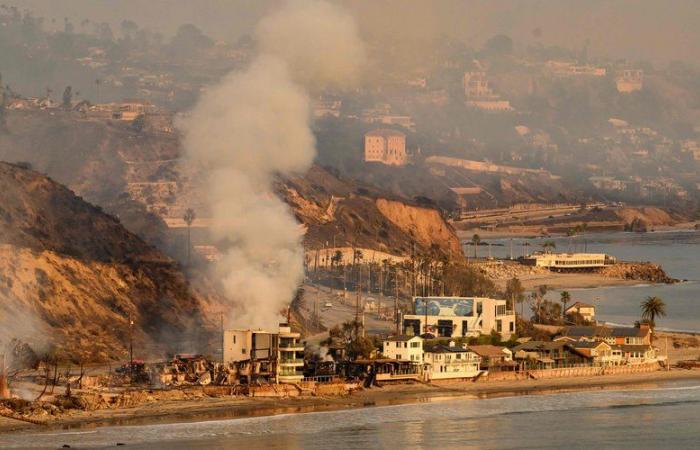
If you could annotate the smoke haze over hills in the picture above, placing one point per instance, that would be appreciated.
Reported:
(659, 31)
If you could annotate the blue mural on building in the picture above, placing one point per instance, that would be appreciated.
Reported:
(445, 306)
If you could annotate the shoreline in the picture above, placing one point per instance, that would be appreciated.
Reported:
(227, 408)
(465, 234)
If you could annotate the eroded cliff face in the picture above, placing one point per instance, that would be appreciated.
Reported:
(426, 225)
(336, 211)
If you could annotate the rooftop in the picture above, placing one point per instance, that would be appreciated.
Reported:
(580, 305)
(385, 132)
(488, 350)
(400, 338)
(447, 349)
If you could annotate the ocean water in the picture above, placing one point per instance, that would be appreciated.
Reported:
(655, 416)
(677, 251)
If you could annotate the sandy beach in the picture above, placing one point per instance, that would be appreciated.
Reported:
(208, 408)
(569, 281)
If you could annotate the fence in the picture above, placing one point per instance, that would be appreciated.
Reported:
(574, 370)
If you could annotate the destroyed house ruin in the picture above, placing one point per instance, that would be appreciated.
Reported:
(263, 356)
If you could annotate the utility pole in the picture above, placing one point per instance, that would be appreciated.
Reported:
(221, 324)
(413, 267)
(396, 301)
(358, 291)
(511, 248)
(131, 349)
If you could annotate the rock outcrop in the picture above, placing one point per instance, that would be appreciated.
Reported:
(642, 271)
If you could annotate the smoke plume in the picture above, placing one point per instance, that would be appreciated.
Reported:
(255, 125)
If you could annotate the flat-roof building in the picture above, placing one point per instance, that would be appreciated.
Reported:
(561, 262)
(386, 146)
(460, 316)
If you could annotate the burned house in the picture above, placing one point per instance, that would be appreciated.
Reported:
(263, 356)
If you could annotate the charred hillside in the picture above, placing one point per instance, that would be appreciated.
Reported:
(72, 276)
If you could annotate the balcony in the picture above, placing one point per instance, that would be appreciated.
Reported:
(289, 373)
(291, 362)
(291, 346)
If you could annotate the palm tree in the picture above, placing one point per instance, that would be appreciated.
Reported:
(570, 233)
(189, 218)
(548, 246)
(476, 240)
(652, 308)
(538, 297)
(515, 293)
(565, 299)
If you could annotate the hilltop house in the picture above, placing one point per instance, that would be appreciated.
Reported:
(386, 146)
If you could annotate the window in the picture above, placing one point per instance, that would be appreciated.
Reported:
(234, 338)
(243, 351)
(499, 325)
(511, 327)
(415, 344)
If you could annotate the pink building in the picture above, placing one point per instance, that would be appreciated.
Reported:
(386, 146)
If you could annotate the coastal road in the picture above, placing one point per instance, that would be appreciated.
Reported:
(343, 309)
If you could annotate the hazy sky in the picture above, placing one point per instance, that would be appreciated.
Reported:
(659, 30)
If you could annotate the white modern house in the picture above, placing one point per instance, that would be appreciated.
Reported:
(404, 348)
(460, 316)
(449, 362)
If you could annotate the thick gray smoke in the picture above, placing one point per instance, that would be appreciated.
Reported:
(254, 125)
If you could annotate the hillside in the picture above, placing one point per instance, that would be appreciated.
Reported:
(137, 178)
(71, 275)
(353, 214)
(98, 160)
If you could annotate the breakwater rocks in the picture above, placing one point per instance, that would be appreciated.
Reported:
(642, 271)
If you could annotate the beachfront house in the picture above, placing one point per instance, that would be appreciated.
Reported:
(450, 362)
(586, 311)
(631, 344)
(494, 357)
(549, 355)
(404, 348)
(600, 353)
